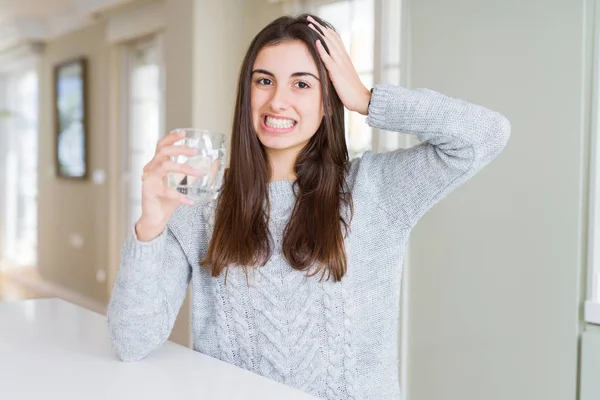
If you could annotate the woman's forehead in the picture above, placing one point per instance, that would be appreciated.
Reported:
(286, 58)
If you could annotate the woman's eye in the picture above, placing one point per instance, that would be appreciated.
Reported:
(302, 85)
(264, 81)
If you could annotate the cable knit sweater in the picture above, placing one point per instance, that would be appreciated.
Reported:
(333, 340)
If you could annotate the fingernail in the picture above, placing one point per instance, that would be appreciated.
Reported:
(180, 133)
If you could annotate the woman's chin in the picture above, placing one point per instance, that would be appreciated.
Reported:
(275, 142)
(276, 146)
(280, 145)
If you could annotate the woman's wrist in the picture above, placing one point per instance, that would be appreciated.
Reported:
(365, 102)
(146, 232)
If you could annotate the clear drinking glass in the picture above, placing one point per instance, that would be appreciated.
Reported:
(209, 160)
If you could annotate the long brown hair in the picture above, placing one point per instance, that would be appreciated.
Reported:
(313, 236)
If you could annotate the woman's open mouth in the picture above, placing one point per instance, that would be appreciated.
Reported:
(277, 125)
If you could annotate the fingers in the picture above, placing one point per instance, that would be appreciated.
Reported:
(332, 54)
(165, 152)
(330, 47)
(327, 60)
(169, 166)
(322, 30)
(316, 26)
(161, 169)
(172, 151)
(171, 138)
(154, 178)
(173, 194)
(154, 181)
(332, 39)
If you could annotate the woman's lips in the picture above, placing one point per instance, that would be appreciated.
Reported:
(270, 129)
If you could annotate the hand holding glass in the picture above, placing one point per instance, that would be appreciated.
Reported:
(209, 161)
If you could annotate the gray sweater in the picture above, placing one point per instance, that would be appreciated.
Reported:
(333, 340)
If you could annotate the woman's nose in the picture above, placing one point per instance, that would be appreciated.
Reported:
(281, 99)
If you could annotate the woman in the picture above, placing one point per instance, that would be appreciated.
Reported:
(296, 267)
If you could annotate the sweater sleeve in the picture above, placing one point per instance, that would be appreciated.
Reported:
(457, 140)
(149, 290)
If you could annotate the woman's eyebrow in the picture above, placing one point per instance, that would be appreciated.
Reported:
(295, 74)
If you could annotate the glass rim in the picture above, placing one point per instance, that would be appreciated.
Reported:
(199, 130)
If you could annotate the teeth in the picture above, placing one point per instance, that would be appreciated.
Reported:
(279, 123)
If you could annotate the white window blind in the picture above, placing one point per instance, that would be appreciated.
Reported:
(19, 164)
(145, 94)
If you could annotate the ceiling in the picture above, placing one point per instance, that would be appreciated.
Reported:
(11, 9)
(40, 20)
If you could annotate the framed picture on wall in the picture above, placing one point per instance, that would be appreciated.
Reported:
(70, 113)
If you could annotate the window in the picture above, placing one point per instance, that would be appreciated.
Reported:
(592, 305)
(144, 96)
(371, 31)
(18, 165)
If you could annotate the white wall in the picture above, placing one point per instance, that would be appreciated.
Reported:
(495, 270)
(223, 31)
(590, 364)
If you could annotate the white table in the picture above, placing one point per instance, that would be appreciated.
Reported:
(51, 349)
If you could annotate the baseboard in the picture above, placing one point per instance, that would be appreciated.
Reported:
(34, 282)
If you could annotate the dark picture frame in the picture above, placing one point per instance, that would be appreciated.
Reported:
(71, 119)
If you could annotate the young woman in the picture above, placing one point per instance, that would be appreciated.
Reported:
(296, 267)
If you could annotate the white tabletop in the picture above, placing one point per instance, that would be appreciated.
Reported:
(51, 349)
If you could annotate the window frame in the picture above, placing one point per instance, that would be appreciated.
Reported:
(592, 295)
(153, 39)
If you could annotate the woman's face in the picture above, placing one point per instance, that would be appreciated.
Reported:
(286, 101)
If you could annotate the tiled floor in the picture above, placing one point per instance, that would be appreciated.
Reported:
(12, 290)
